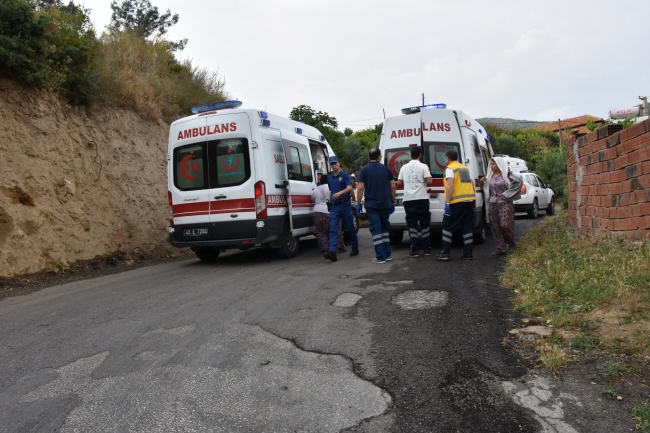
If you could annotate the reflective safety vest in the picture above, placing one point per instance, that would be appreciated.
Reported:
(463, 184)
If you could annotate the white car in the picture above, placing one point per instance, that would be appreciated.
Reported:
(535, 196)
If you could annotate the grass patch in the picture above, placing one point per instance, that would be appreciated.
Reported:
(553, 356)
(617, 370)
(596, 292)
(641, 414)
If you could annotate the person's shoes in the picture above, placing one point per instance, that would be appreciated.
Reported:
(376, 260)
(323, 251)
(470, 257)
(414, 254)
(499, 253)
(330, 256)
(342, 250)
(354, 252)
(427, 252)
(389, 258)
(443, 257)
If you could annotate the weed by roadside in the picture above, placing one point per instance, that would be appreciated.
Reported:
(641, 415)
(595, 293)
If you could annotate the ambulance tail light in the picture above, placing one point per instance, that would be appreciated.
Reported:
(523, 189)
(260, 200)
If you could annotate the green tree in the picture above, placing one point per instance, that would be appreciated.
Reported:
(348, 132)
(141, 17)
(324, 123)
(368, 138)
(356, 157)
(507, 144)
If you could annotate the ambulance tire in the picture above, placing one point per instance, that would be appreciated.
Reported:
(480, 236)
(289, 244)
(395, 236)
(207, 254)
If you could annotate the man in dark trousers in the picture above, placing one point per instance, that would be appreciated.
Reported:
(415, 177)
(459, 207)
(379, 185)
(340, 210)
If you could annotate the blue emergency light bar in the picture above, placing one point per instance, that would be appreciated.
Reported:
(411, 110)
(264, 115)
(298, 130)
(216, 106)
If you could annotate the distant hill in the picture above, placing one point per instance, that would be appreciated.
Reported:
(509, 123)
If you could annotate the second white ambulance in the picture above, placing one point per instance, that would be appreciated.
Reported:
(242, 177)
(436, 130)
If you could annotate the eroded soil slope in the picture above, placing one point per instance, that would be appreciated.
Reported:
(77, 183)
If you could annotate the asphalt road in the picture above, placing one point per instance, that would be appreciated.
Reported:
(253, 343)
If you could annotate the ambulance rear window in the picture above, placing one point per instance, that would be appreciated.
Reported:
(229, 162)
(396, 158)
(190, 171)
(434, 157)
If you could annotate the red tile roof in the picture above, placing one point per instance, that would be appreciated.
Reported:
(577, 124)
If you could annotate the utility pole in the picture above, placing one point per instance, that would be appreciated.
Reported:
(644, 106)
(384, 110)
(423, 99)
(559, 130)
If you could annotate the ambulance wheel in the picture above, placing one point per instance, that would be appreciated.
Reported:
(395, 236)
(207, 254)
(289, 244)
(480, 236)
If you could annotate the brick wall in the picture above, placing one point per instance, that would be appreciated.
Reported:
(609, 182)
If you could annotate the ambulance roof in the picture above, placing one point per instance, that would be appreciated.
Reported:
(266, 119)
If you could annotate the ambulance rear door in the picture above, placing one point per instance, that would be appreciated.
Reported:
(300, 183)
(232, 191)
(440, 133)
(188, 179)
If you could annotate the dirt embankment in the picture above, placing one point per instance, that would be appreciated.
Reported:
(77, 183)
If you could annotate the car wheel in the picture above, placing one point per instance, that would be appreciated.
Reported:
(289, 244)
(481, 235)
(207, 254)
(550, 210)
(395, 236)
(534, 211)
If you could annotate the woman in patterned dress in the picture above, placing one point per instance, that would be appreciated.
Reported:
(319, 196)
(501, 210)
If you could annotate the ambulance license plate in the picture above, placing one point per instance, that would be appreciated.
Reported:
(195, 232)
(399, 202)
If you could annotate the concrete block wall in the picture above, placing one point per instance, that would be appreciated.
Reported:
(609, 182)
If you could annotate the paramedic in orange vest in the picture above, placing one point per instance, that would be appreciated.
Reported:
(459, 207)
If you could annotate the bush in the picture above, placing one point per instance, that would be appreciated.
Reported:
(55, 47)
(24, 43)
(550, 165)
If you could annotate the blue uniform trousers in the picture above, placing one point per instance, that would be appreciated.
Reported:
(343, 213)
(379, 226)
(417, 211)
(461, 213)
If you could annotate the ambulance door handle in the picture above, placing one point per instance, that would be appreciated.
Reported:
(217, 197)
(284, 184)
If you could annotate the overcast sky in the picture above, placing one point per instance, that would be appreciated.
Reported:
(533, 60)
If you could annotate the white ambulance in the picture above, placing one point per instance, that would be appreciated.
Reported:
(436, 130)
(242, 177)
